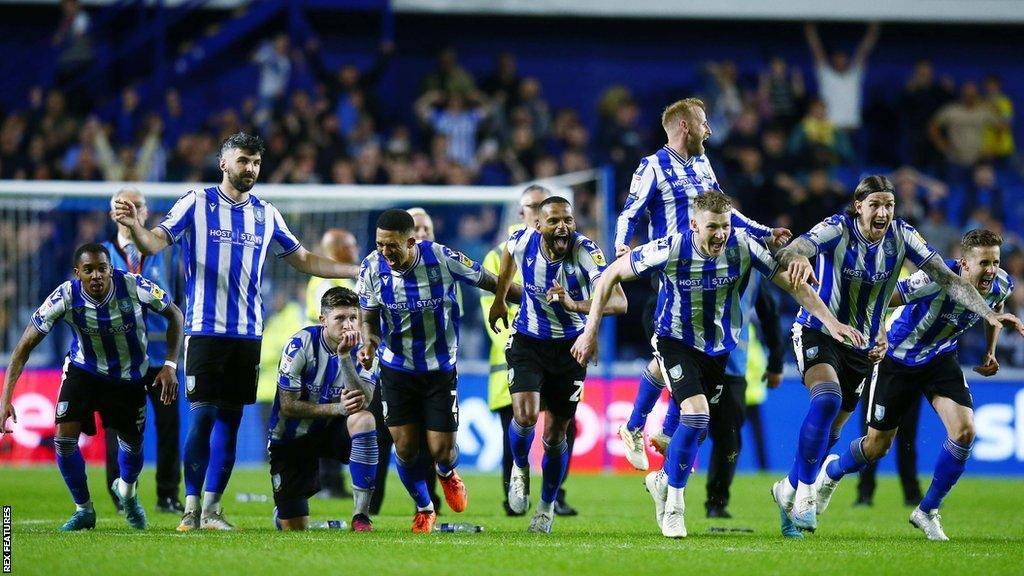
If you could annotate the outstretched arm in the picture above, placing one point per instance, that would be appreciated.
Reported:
(369, 331)
(867, 44)
(149, 242)
(966, 295)
(315, 265)
(814, 41)
(489, 282)
(795, 259)
(29, 340)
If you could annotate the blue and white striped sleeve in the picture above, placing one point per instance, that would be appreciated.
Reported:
(591, 259)
(918, 249)
(293, 363)
(52, 309)
(643, 185)
(916, 286)
(760, 258)
(826, 233)
(366, 287)
(283, 236)
(652, 256)
(149, 294)
(755, 229)
(462, 267)
(180, 216)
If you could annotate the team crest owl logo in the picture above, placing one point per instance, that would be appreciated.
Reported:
(62, 408)
(259, 214)
(125, 306)
(569, 268)
(889, 247)
(275, 480)
(879, 411)
(732, 254)
(812, 352)
(190, 384)
(433, 274)
(676, 372)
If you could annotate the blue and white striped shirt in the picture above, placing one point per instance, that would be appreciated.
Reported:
(312, 368)
(856, 277)
(224, 248)
(930, 321)
(577, 272)
(665, 185)
(700, 298)
(419, 307)
(110, 335)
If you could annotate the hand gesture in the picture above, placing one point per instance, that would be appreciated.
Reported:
(366, 354)
(352, 400)
(621, 249)
(847, 335)
(558, 294)
(881, 346)
(989, 365)
(349, 340)
(167, 381)
(125, 213)
(585, 348)
(1009, 321)
(801, 272)
(498, 311)
(7, 411)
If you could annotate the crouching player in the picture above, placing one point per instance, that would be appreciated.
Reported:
(922, 358)
(104, 372)
(320, 411)
(559, 269)
(704, 273)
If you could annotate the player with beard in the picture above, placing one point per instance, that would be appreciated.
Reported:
(859, 254)
(665, 186)
(226, 233)
(922, 359)
(704, 273)
(559, 268)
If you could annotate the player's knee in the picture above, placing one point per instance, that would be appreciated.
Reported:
(526, 417)
(360, 422)
(407, 453)
(553, 437)
(963, 434)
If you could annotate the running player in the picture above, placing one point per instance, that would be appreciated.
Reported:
(703, 274)
(105, 371)
(320, 412)
(410, 323)
(922, 358)
(559, 269)
(665, 186)
(226, 234)
(859, 254)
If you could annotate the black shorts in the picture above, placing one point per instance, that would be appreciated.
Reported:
(425, 398)
(689, 372)
(813, 347)
(121, 404)
(894, 387)
(221, 370)
(295, 467)
(548, 367)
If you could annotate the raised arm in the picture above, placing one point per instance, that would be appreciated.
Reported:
(867, 44)
(30, 338)
(814, 41)
(149, 242)
(967, 296)
(315, 265)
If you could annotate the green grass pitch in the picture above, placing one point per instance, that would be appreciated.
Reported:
(614, 534)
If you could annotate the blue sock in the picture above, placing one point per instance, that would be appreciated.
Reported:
(852, 460)
(826, 399)
(445, 469)
(411, 475)
(833, 438)
(223, 443)
(72, 468)
(363, 460)
(671, 418)
(553, 467)
(129, 460)
(951, 464)
(519, 440)
(682, 450)
(197, 447)
(647, 394)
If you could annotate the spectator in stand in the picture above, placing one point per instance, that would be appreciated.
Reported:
(724, 101)
(745, 135)
(350, 92)
(817, 142)
(275, 66)
(817, 198)
(921, 99)
(998, 144)
(128, 164)
(458, 120)
(985, 190)
(72, 38)
(502, 86)
(840, 80)
(940, 234)
(958, 132)
(449, 77)
(781, 91)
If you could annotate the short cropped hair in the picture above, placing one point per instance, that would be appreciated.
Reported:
(338, 297)
(536, 188)
(868, 186)
(688, 106)
(979, 238)
(395, 220)
(713, 201)
(91, 248)
(248, 143)
(553, 200)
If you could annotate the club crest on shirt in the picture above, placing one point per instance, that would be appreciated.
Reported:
(732, 255)
(879, 411)
(62, 408)
(190, 384)
(433, 274)
(569, 268)
(79, 309)
(889, 247)
(125, 306)
(275, 480)
(675, 372)
(812, 352)
(259, 214)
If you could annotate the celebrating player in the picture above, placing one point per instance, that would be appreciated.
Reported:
(665, 186)
(320, 412)
(703, 274)
(105, 372)
(559, 269)
(922, 358)
(225, 233)
(410, 322)
(859, 254)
